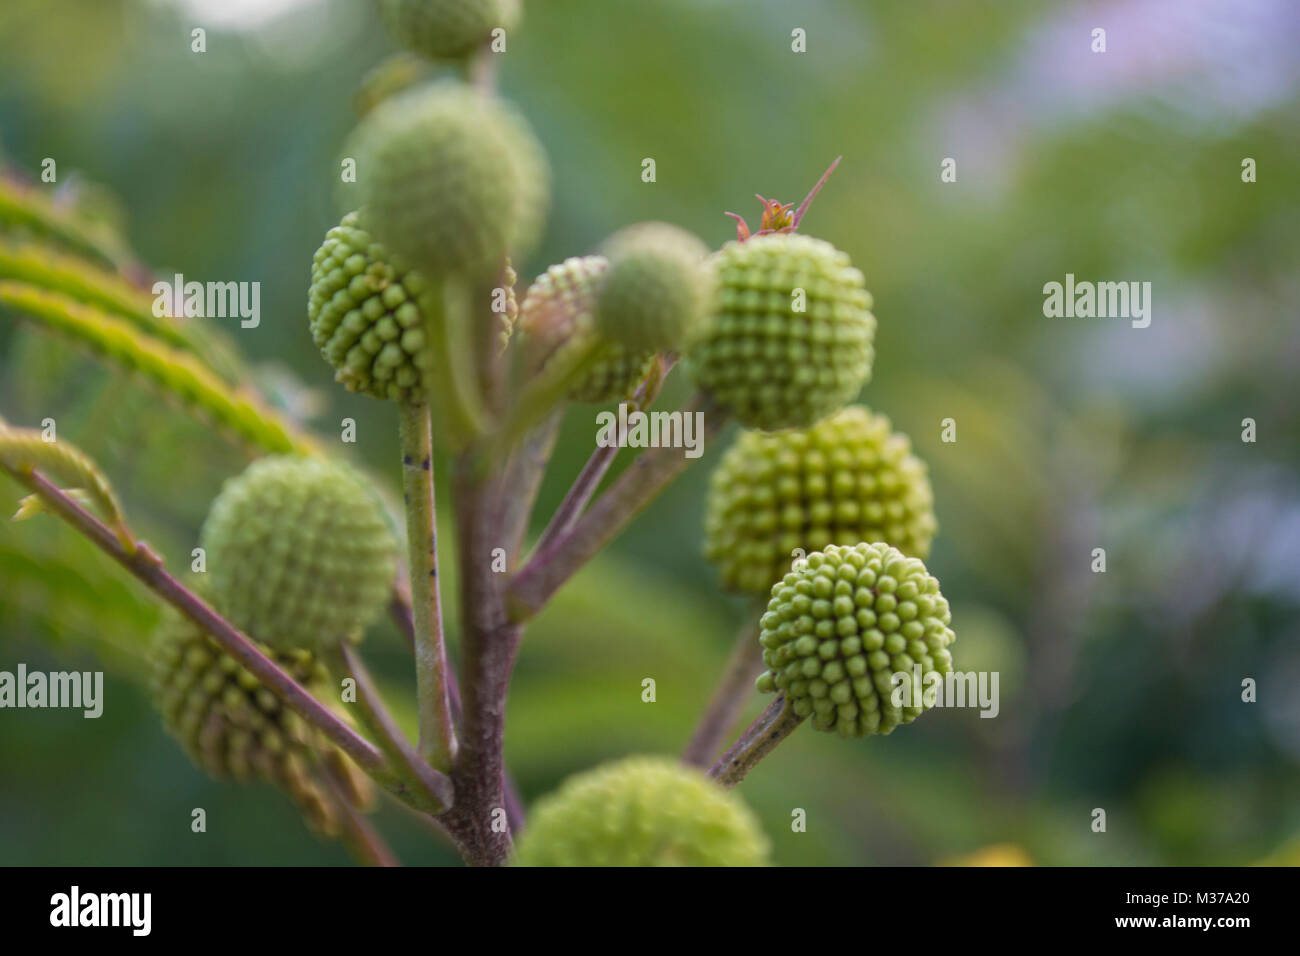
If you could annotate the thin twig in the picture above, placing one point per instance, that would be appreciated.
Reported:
(579, 495)
(733, 690)
(363, 841)
(148, 567)
(399, 608)
(437, 738)
(761, 737)
(594, 471)
(654, 469)
(540, 394)
(380, 722)
(523, 479)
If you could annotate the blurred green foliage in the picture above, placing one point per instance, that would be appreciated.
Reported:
(1119, 690)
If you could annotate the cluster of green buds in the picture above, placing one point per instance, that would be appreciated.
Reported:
(777, 332)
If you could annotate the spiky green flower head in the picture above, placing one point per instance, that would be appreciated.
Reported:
(450, 180)
(777, 495)
(642, 811)
(448, 29)
(234, 728)
(557, 315)
(365, 315)
(299, 553)
(840, 625)
(790, 338)
(655, 293)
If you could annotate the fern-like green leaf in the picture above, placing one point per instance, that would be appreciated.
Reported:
(24, 450)
(24, 210)
(30, 506)
(175, 374)
(46, 266)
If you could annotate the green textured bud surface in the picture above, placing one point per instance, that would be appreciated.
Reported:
(233, 727)
(299, 554)
(790, 338)
(510, 306)
(449, 180)
(656, 292)
(365, 316)
(447, 29)
(557, 314)
(642, 811)
(841, 624)
(849, 478)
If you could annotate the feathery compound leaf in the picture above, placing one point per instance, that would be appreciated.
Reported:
(25, 450)
(172, 372)
(46, 266)
(30, 506)
(28, 210)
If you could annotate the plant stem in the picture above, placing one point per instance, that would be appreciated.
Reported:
(544, 392)
(457, 388)
(148, 567)
(380, 723)
(588, 480)
(578, 496)
(652, 472)
(523, 479)
(362, 840)
(761, 737)
(734, 689)
(399, 607)
(489, 644)
(437, 738)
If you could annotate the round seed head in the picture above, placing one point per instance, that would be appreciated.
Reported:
(790, 338)
(839, 628)
(449, 180)
(557, 314)
(299, 553)
(233, 728)
(777, 495)
(655, 294)
(642, 811)
(447, 29)
(367, 315)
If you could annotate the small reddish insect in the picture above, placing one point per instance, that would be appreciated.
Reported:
(777, 216)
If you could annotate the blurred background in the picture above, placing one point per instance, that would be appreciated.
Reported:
(1120, 691)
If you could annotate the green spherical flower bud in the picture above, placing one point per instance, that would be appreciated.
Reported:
(790, 338)
(365, 314)
(448, 29)
(557, 315)
(449, 180)
(655, 294)
(841, 626)
(299, 553)
(849, 478)
(642, 811)
(234, 728)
